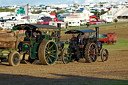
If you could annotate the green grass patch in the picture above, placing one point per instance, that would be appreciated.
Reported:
(109, 26)
(120, 44)
(104, 26)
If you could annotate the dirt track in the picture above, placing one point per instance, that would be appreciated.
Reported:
(115, 69)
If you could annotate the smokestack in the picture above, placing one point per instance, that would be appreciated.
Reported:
(97, 32)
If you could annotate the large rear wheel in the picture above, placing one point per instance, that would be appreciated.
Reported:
(14, 58)
(91, 52)
(47, 52)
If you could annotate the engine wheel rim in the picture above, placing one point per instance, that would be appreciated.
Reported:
(66, 56)
(92, 53)
(104, 55)
(51, 53)
(15, 59)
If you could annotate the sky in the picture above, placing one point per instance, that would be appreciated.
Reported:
(46, 2)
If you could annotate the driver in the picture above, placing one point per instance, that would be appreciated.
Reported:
(80, 38)
(35, 34)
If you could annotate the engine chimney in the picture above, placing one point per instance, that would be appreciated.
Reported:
(97, 32)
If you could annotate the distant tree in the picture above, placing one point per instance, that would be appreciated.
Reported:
(6, 10)
(1, 28)
(58, 12)
(34, 12)
(103, 12)
(98, 14)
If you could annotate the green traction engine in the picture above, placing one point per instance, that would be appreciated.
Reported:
(41, 42)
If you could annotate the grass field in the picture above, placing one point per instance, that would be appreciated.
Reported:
(112, 72)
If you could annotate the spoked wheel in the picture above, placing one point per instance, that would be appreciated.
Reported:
(14, 58)
(47, 52)
(91, 52)
(104, 54)
(66, 56)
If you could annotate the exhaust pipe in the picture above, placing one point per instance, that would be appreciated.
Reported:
(97, 33)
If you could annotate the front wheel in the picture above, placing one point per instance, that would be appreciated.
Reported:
(14, 58)
(104, 54)
(66, 55)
